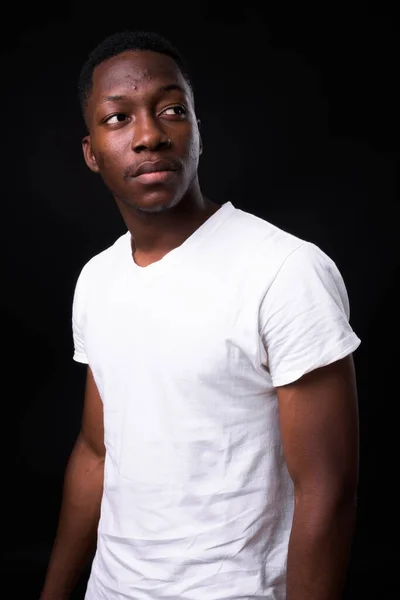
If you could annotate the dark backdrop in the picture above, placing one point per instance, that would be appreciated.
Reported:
(299, 110)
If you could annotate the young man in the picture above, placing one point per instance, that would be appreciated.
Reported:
(220, 427)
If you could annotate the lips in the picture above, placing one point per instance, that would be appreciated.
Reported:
(155, 167)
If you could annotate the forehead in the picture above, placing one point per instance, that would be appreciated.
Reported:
(135, 69)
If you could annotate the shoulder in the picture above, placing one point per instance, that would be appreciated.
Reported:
(104, 263)
(308, 256)
(270, 246)
(263, 231)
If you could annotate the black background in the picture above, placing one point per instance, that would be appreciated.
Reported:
(299, 108)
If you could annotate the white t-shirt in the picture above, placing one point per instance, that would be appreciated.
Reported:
(197, 501)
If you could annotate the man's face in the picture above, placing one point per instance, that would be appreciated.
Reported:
(143, 134)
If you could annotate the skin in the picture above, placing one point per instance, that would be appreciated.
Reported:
(319, 427)
(318, 413)
(141, 109)
(76, 536)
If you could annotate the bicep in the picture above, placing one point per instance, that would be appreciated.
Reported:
(319, 428)
(92, 429)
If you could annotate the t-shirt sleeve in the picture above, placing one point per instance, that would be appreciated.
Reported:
(78, 320)
(305, 316)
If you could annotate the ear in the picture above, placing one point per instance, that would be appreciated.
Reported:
(88, 154)
(200, 138)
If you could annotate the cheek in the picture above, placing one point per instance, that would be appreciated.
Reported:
(109, 157)
(110, 150)
(110, 168)
(193, 149)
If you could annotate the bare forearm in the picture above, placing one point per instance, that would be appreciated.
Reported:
(79, 516)
(319, 549)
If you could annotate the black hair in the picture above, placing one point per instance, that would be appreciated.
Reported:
(120, 42)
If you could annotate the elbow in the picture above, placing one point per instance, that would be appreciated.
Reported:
(327, 500)
(325, 515)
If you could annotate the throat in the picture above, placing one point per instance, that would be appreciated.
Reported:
(143, 259)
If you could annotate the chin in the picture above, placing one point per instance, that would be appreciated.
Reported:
(155, 203)
(158, 208)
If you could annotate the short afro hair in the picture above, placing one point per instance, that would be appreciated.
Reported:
(121, 42)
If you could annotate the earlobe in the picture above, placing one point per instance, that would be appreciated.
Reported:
(88, 154)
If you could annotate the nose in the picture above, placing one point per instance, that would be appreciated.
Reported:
(149, 135)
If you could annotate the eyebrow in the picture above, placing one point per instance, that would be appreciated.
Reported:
(164, 88)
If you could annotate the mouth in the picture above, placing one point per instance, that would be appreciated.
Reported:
(156, 176)
(155, 166)
(157, 171)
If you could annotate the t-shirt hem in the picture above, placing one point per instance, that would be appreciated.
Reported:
(80, 358)
(344, 348)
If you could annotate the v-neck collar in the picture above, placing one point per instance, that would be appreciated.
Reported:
(171, 258)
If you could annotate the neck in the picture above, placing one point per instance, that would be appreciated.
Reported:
(156, 233)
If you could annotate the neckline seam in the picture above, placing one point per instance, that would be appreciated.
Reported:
(190, 242)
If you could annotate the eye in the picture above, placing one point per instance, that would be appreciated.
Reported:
(117, 118)
(175, 111)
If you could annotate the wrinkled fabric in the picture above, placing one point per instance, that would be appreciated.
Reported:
(186, 354)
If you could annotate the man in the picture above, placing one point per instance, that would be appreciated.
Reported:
(220, 427)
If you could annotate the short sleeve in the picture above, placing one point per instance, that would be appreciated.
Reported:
(304, 316)
(78, 320)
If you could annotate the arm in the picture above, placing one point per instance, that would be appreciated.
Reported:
(319, 426)
(80, 511)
